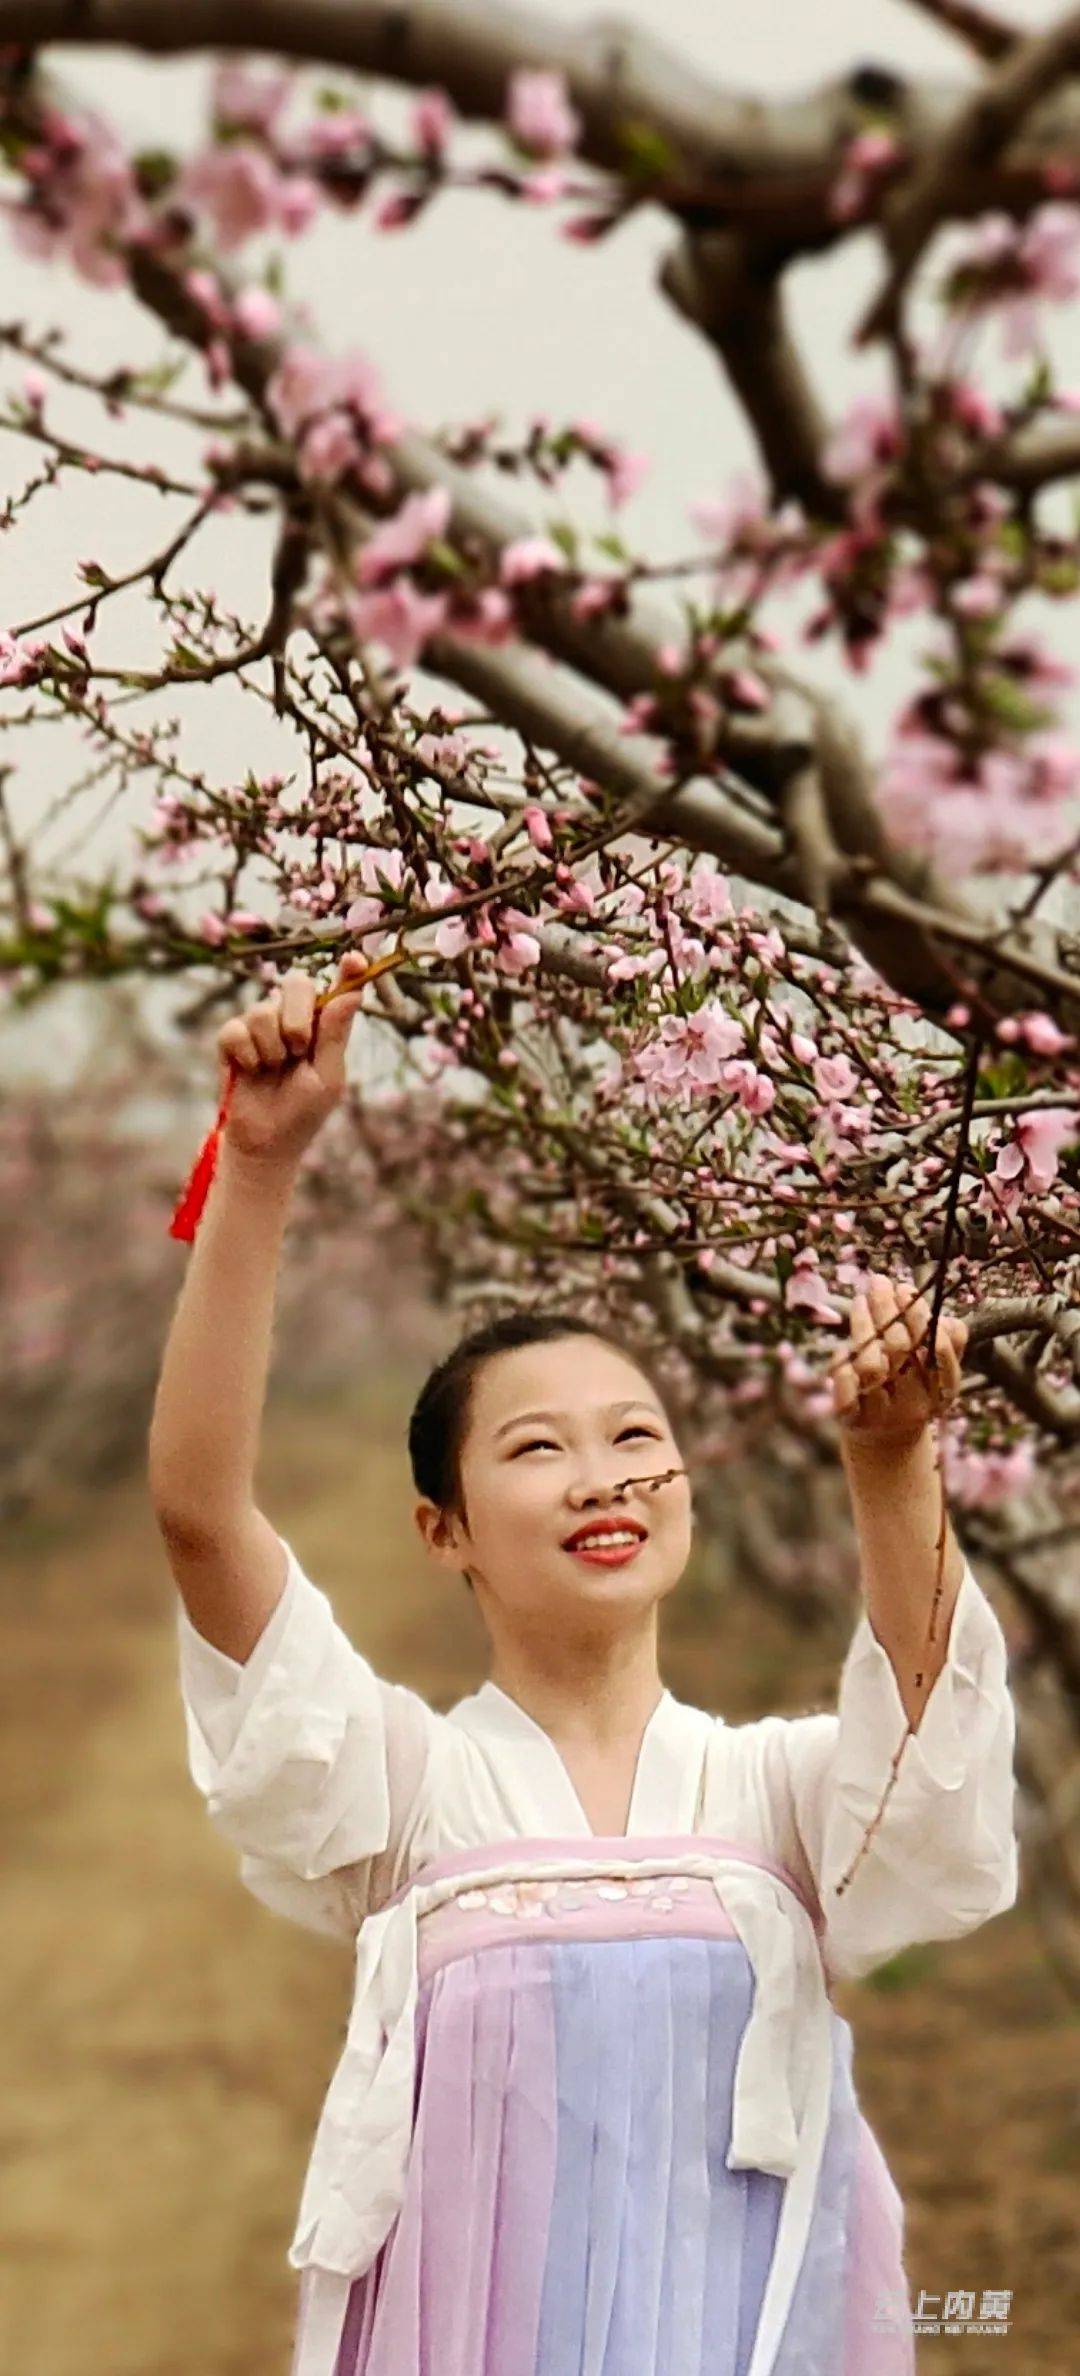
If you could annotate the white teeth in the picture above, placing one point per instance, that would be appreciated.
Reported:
(597, 1542)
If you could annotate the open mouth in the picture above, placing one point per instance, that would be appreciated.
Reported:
(606, 1546)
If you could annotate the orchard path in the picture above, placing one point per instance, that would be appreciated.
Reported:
(166, 2041)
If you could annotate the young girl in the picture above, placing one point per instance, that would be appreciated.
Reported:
(594, 2114)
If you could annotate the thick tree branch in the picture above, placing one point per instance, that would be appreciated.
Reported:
(733, 293)
(989, 36)
(735, 158)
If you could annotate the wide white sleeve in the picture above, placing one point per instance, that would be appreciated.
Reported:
(943, 1858)
(310, 1764)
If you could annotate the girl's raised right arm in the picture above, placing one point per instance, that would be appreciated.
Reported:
(225, 1556)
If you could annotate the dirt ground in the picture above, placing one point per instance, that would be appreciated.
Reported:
(166, 2041)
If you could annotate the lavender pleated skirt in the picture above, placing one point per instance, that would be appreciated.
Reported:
(568, 2209)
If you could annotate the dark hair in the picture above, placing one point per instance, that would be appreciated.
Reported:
(440, 1419)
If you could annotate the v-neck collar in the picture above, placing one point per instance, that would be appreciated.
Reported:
(664, 1792)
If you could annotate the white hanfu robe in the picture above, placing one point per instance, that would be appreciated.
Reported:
(459, 1838)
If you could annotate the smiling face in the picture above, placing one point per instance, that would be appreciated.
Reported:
(552, 1429)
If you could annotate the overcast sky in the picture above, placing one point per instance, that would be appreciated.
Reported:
(481, 307)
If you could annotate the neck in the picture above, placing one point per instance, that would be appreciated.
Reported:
(589, 1693)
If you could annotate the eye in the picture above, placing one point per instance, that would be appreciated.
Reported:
(538, 1443)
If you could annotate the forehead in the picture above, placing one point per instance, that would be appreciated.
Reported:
(576, 1374)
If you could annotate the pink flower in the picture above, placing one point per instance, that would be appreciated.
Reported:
(639, 713)
(865, 160)
(1042, 1136)
(237, 186)
(328, 449)
(594, 597)
(978, 597)
(432, 122)
(1029, 1160)
(541, 187)
(869, 436)
(539, 112)
(986, 1480)
(404, 539)
(755, 1092)
(83, 199)
(1050, 250)
(1009, 269)
(975, 410)
(257, 314)
(519, 950)
(531, 557)
(1002, 814)
(1043, 1035)
(299, 200)
(690, 1051)
(723, 519)
(747, 690)
(483, 618)
(626, 470)
(338, 135)
(18, 661)
(244, 98)
(537, 827)
(307, 383)
(35, 388)
(206, 291)
(398, 616)
(834, 1077)
(395, 212)
(805, 1289)
(452, 937)
(709, 899)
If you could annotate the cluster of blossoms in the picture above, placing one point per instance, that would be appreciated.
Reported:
(764, 1099)
(82, 200)
(86, 199)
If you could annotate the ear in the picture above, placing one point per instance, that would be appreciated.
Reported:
(436, 1529)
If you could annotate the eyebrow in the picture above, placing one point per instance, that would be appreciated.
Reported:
(636, 1403)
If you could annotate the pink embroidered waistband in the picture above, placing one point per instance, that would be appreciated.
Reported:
(592, 1851)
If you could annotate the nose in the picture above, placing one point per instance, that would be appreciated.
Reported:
(604, 1493)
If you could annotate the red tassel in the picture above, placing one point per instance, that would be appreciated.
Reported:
(188, 1214)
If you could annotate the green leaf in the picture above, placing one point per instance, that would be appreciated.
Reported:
(1058, 577)
(565, 537)
(1005, 699)
(613, 546)
(448, 560)
(648, 152)
(1013, 538)
(155, 170)
(1039, 386)
(158, 378)
(1006, 1073)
